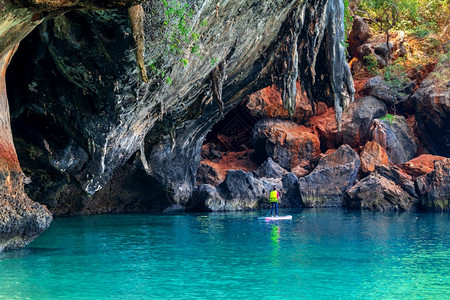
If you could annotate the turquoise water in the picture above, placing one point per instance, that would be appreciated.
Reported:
(320, 254)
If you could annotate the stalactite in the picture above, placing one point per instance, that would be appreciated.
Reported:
(136, 15)
(289, 63)
(217, 78)
(316, 26)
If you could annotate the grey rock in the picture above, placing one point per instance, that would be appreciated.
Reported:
(434, 188)
(378, 88)
(363, 112)
(326, 184)
(291, 196)
(71, 159)
(359, 34)
(269, 169)
(207, 175)
(432, 108)
(378, 193)
(396, 137)
(395, 174)
(205, 198)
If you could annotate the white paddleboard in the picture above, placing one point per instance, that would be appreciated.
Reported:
(287, 217)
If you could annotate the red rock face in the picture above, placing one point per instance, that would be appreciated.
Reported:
(373, 155)
(267, 103)
(421, 165)
(214, 170)
(8, 156)
(287, 143)
(21, 219)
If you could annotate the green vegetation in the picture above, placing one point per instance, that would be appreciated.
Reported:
(415, 16)
(175, 38)
(388, 117)
(348, 20)
(371, 64)
(425, 31)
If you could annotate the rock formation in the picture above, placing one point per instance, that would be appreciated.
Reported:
(432, 104)
(434, 188)
(111, 113)
(326, 184)
(376, 192)
(21, 219)
(286, 142)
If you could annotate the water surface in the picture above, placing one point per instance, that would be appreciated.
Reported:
(320, 254)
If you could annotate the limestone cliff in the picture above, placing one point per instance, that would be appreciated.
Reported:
(95, 137)
(21, 219)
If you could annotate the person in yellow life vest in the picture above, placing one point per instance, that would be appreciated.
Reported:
(274, 196)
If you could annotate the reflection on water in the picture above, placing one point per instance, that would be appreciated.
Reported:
(320, 254)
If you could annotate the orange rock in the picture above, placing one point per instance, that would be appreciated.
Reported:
(373, 155)
(228, 161)
(302, 169)
(267, 103)
(321, 108)
(421, 165)
(286, 142)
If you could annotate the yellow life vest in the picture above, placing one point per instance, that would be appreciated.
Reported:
(273, 196)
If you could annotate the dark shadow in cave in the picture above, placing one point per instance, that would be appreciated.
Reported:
(234, 132)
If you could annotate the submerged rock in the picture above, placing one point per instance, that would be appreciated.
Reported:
(326, 184)
(376, 192)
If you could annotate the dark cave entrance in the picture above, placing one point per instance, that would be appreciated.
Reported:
(234, 132)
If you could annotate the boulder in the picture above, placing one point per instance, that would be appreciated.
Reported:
(434, 188)
(206, 174)
(377, 49)
(355, 123)
(396, 137)
(269, 169)
(267, 103)
(290, 196)
(421, 165)
(302, 169)
(359, 34)
(326, 184)
(242, 191)
(395, 174)
(205, 198)
(379, 89)
(378, 193)
(372, 155)
(286, 142)
(432, 106)
(389, 94)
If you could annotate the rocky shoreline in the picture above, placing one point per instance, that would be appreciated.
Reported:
(378, 161)
(268, 102)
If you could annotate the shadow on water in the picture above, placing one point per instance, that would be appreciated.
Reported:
(27, 251)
